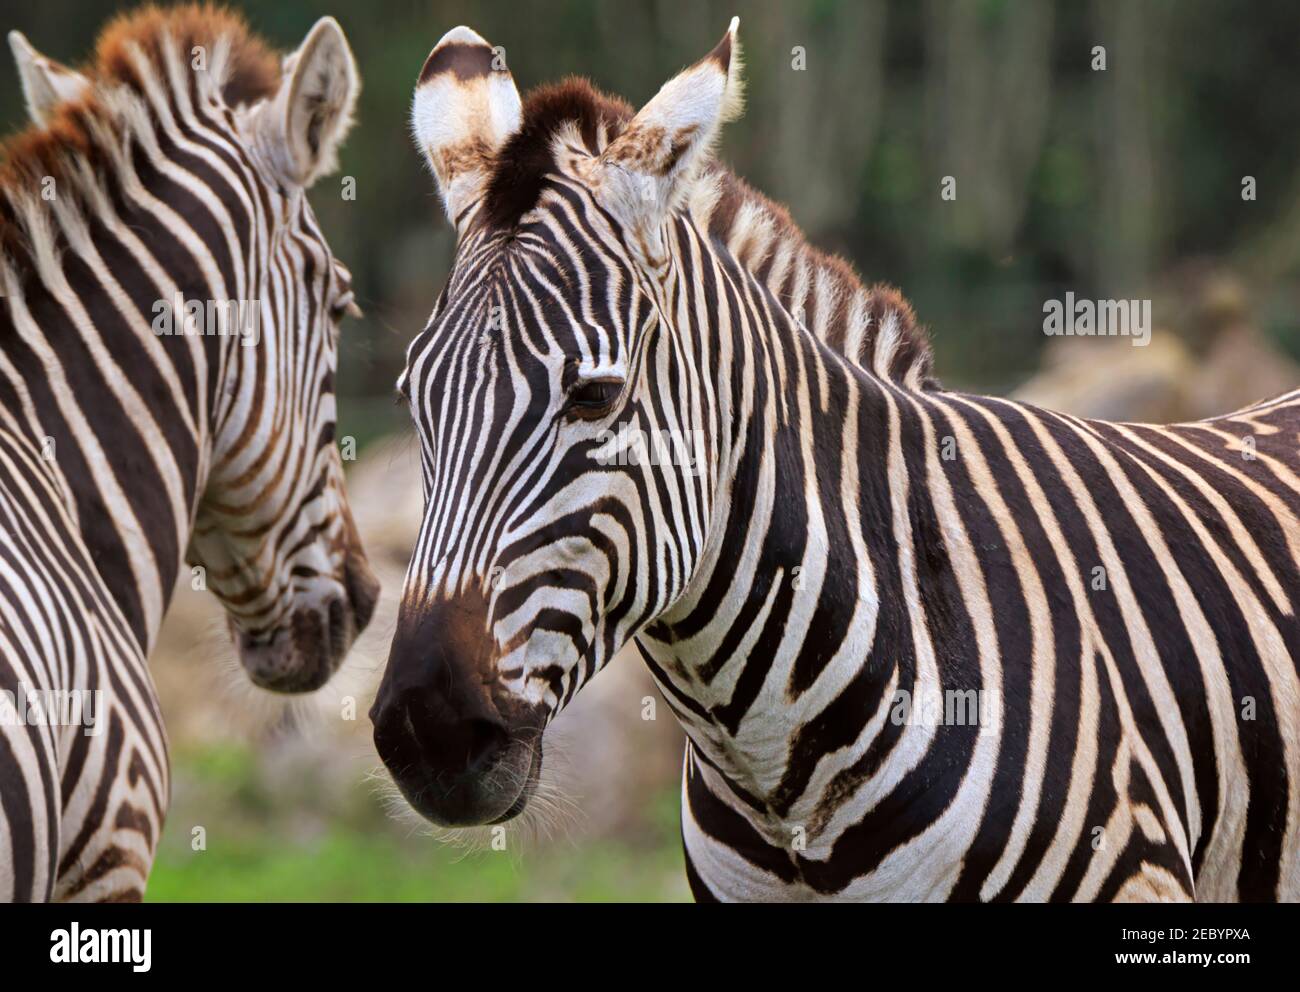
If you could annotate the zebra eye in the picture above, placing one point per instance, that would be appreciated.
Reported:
(595, 397)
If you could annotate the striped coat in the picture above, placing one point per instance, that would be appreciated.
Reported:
(924, 645)
(82, 801)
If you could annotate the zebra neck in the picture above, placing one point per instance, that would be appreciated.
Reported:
(798, 599)
(122, 407)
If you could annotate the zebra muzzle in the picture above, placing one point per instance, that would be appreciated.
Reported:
(302, 655)
(460, 755)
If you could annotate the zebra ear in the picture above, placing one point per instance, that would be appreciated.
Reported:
(305, 123)
(647, 169)
(45, 82)
(464, 109)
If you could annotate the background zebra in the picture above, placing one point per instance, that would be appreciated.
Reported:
(174, 169)
(1115, 600)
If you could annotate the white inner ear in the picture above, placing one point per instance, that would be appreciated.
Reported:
(465, 107)
(45, 82)
(650, 168)
(315, 103)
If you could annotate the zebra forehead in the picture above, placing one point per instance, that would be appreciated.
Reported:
(525, 160)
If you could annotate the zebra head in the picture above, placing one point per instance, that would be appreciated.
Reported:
(272, 534)
(274, 530)
(558, 397)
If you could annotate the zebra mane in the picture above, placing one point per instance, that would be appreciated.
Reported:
(248, 72)
(87, 137)
(872, 326)
(522, 164)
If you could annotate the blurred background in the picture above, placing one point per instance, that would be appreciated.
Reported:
(1122, 182)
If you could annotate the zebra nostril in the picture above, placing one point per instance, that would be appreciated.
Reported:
(480, 741)
(449, 744)
(445, 764)
(421, 732)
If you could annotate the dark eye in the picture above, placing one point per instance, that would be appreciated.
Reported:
(594, 397)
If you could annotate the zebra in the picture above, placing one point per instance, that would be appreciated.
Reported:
(136, 437)
(925, 645)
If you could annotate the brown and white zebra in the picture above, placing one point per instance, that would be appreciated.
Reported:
(1111, 607)
(164, 182)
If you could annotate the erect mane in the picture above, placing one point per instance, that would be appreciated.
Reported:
(525, 160)
(250, 72)
(85, 134)
(873, 327)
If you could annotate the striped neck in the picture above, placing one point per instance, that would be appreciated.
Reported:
(806, 491)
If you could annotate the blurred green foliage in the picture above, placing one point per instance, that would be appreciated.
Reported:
(350, 866)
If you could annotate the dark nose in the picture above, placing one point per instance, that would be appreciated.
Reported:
(437, 728)
(439, 757)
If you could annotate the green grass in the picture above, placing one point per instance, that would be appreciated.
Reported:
(264, 847)
(345, 866)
